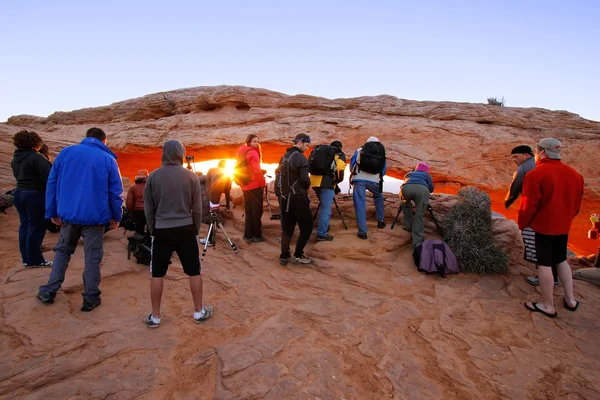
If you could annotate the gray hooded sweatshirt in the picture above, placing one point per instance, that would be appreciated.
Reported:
(172, 195)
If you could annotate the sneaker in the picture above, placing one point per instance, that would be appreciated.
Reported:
(208, 312)
(46, 297)
(247, 240)
(301, 260)
(203, 241)
(362, 236)
(533, 280)
(45, 264)
(380, 224)
(89, 306)
(326, 238)
(283, 261)
(258, 239)
(149, 323)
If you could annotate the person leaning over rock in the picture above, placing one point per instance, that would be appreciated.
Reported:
(135, 201)
(368, 166)
(83, 194)
(173, 207)
(31, 171)
(291, 187)
(325, 187)
(551, 198)
(417, 187)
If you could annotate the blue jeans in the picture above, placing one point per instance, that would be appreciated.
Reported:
(93, 252)
(360, 202)
(325, 201)
(31, 206)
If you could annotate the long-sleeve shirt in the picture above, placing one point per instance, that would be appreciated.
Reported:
(516, 185)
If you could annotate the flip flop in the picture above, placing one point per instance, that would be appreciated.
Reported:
(568, 307)
(537, 309)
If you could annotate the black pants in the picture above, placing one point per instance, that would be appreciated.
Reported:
(253, 205)
(139, 218)
(183, 241)
(299, 213)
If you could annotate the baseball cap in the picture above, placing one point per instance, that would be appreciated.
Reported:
(551, 147)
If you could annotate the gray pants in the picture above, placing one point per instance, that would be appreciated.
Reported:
(93, 242)
(419, 194)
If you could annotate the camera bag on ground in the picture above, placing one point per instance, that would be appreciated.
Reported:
(322, 160)
(435, 257)
(372, 157)
(140, 246)
(241, 171)
(127, 221)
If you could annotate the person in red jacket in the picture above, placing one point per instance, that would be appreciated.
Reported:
(135, 201)
(253, 190)
(551, 198)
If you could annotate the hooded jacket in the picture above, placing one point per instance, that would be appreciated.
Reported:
(30, 169)
(84, 185)
(516, 186)
(298, 165)
(135, 195)
(172, 195)
(253, 157)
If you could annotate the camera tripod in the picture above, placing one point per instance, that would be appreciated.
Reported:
(215, 222)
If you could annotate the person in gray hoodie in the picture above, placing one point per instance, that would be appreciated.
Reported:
(173, 208)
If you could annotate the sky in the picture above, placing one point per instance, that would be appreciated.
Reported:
(66, 55)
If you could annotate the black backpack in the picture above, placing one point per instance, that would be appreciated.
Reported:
(140, 246)
(284, 190)
(241, 172)
(372, 158)
(127, 221)
(322, 160)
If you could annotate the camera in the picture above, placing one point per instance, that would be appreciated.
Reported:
(190, 163)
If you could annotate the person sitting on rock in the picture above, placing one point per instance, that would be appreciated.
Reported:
(417, 188)
(135, 201)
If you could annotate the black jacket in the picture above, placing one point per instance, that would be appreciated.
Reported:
(298, 171)
(218, 182)
(31, 169)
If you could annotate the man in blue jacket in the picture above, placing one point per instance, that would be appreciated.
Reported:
(83, 194)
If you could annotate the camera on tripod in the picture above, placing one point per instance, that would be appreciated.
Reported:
(191, 163)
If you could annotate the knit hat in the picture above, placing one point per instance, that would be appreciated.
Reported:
(142, 173)
(551, 147)
(372, 139)
(422, 167)
(522, 150)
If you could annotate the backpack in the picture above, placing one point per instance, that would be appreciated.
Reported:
(322, 160)
(140, 246)
(127, 221)
(283, 189)
(372, 158)
(241, 171)
(435, 257)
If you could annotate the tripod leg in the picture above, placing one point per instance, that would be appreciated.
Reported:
(397, 215)
(340, 212)
(233, 247)
(210, 229)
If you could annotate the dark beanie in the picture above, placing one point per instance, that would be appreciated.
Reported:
(337, 143)
(522, 150)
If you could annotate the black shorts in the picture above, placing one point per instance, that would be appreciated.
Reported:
(545, 250)
(182, 240)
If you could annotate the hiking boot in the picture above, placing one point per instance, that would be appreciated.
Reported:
(208, 312)
(46, 297)
(362, 236)
(258, 239)
(283, 261)
(533, 280)
(326, 238)
(380, 224)
(90, 305)
(45, 264)
(301, 260)
(247, 240)
(149, 323)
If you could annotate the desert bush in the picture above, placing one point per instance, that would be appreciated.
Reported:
(492, 101)
(468, 232)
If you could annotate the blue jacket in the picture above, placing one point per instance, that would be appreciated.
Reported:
(419, 178)
(84, 186)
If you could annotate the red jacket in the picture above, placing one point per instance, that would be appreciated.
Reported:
(551, 198)
(135, 197)
(253, 157)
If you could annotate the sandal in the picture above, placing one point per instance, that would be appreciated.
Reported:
(537, 309)
(568, 307)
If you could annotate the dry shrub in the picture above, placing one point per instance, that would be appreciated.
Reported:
(468, 232)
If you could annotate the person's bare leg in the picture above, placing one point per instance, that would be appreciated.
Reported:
(196, 288)
(566, 278)
(547, 287)
(156, 289)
